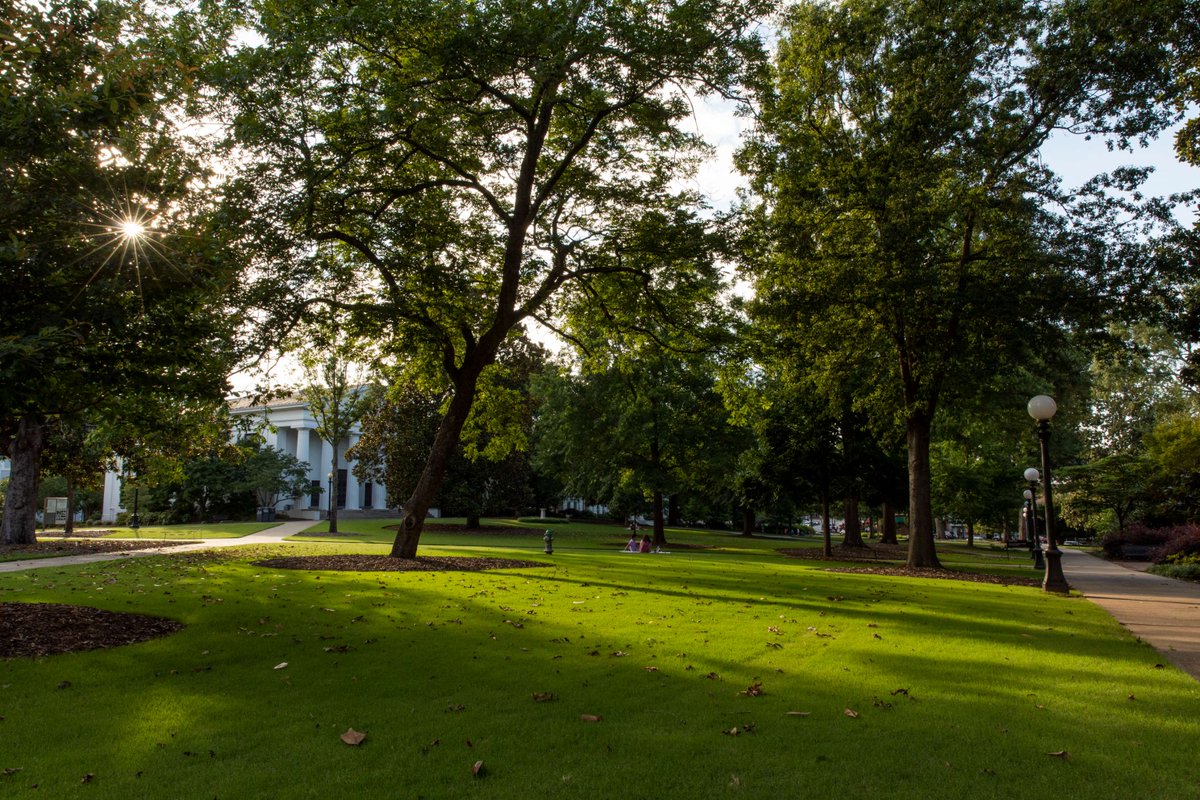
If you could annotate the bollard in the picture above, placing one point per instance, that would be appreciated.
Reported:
(548, 538)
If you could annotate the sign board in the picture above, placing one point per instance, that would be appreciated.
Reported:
(56, 512)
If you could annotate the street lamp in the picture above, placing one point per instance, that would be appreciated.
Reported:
(1035, 548)
(1042, 409)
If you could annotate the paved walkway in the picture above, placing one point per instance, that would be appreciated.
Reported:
(1162, 611)
(266, 536)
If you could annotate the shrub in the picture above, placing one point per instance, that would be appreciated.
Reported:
(1184, 541)
(1182, 566)
(1136, 533)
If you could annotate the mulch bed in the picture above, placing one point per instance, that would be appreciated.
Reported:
(30, 630)
(370, 563)
(74, 547)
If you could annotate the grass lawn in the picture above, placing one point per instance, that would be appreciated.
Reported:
(215, 530)
(695, 661)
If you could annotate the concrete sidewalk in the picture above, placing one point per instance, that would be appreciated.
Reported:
(1162, 611)
(267, 536)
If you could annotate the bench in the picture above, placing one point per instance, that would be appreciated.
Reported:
(1015, 544)
(1135, 552)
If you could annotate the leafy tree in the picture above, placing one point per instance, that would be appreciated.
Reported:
(913, 226)
(109, 279)
(491, 472)
(649, 424)
(473, 161)
(78, 456)
(337, 394)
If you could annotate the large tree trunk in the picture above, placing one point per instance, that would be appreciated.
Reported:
(853, 525)
(970, 533)
(674, 510)
(888, 529)
(748, 520)
(444, 444)
(20, 504)
(922, 552)
(472, 522)
(660, 532)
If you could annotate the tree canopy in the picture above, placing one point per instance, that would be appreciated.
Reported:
(474, 162)
(112, 278)
(912, 225)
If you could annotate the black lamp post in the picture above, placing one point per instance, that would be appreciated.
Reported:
(1042, 409)
(1035, 548)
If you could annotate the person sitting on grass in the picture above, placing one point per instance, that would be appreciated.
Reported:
(632, 545)
(645, 548)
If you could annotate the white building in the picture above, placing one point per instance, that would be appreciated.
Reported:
(286, 424)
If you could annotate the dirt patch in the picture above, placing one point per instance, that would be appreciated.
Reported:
(74, 547)
(370, 563)
(943, 574)
(30, 630)
(86, 533)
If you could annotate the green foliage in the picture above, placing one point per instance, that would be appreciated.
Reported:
(908, 227)
(113, 281)
(451, 169)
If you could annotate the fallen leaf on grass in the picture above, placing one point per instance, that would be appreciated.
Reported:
(591, 717)
(477, 769)
(281, 665)
(796, 713)
(753, 690)
(544, 697)
(1063, 754)
(353, 737)
(12, 770)
(738, 731)
(650, 669)
(900, 691)
(850, 712)
(712, 676)
(88, 778)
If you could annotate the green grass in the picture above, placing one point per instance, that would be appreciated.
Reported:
(215, 530)
(439, 670)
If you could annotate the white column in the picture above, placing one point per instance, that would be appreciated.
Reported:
(302, 454)
(302, 447)
(281, 439)
(353, 491)
(111, 505)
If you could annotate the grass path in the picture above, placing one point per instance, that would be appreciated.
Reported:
(693, 661)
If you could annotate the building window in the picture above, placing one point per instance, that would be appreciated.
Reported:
(368, 495)
(314, 499)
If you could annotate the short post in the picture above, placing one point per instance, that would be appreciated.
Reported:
(548, 538)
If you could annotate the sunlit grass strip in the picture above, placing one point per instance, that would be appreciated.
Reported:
(959, 689)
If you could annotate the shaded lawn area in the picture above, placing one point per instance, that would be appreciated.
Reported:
(911, 688)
